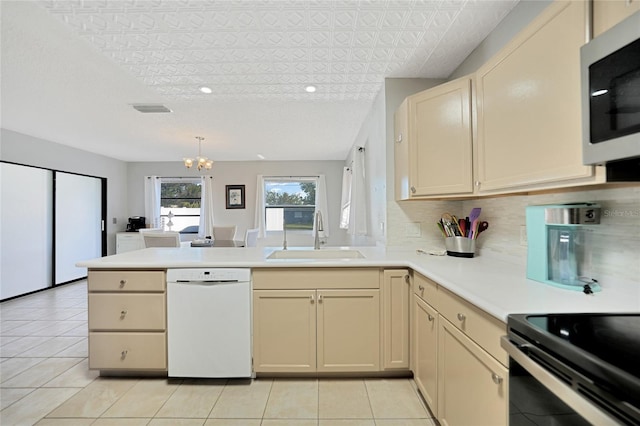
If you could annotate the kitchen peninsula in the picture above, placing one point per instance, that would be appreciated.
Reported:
(429, 315)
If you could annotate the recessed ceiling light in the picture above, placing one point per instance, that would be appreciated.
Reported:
(310, 88)
(205, 89)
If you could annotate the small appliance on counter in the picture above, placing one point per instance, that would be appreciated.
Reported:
(557, 244)
(136, 223)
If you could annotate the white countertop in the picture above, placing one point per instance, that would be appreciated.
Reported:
(498, 286)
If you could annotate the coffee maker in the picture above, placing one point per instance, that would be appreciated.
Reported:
(135, 223)
(557, 240)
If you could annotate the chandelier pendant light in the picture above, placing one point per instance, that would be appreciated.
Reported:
(200, 161)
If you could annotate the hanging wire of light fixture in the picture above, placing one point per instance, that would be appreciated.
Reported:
(200, 161)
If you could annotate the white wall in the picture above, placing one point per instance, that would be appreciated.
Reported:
(245, 173)
(23, 149)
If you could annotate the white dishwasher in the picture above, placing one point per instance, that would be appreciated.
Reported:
(209, 322)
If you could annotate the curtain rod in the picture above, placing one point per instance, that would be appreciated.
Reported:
(179, 177)
(290, 177)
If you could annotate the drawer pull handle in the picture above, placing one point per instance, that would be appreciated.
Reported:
(406, 278)
(123, 355)
(461, 317)
(122, 283)
(496, 379)
(430, 317)
(413, 189)
(123, 313)
(421, 287)
(312, 299)
(320, 298)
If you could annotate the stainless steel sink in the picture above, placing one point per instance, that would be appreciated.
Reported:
(316, 254)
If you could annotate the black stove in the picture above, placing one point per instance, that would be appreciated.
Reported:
(596, 355)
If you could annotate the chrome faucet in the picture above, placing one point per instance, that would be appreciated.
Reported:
(319, 227)
(284, 233)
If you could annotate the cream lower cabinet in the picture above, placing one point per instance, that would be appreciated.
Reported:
(459, 367)
(425, 340)
(396, 291)
(127, 320)
(284, 330)
(472, 385)
(316, 329)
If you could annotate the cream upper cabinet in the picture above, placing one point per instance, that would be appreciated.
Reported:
(433, 142)
(425, 341)
(472, 385)
(298, 328)
(607, 13)
(528, 107)
(396, 289)
(401, 151)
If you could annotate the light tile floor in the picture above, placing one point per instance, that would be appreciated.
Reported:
(45, 380)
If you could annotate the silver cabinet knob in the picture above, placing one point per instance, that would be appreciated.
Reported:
(399, 138)
(122, 283)
(421, 287)
(430, 317)
(413, 189)
(461, 317)
(320, 298)
(496, 379)
(123, 313)
(406, 278)
(123, 355)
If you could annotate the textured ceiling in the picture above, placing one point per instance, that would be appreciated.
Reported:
(256, 56)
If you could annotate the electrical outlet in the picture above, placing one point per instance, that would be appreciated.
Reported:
(523, 235)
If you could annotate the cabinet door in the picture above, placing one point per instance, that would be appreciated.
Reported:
(472, 385)
(395, 319)
(284, 330)
(607, 13)
(425, 340)
(348, 330)
(401, 151)
(440, 147)
(529, 118)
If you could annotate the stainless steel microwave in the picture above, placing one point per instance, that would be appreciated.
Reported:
(610, 75)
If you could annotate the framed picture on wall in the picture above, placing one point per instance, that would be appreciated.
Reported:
(235, 196)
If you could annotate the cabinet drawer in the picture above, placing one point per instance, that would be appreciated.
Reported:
(482, 328)
(313, 278)
(126, 281)
(426, 289)
(127, 311)
(123, 351)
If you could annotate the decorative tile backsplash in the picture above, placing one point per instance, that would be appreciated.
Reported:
(615, 252)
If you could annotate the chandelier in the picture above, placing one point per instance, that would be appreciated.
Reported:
(200, 161)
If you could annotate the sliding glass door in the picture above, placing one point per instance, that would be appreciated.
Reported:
(26, 229)
(49, 220)
(78, 224)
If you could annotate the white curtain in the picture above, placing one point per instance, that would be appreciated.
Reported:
(206, 207)
(260, 206)
(152, 201)
(321, 205)
(358, 204)
(345, 203)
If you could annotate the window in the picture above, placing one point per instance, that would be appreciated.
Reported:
(181, 197)
(290, 201)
